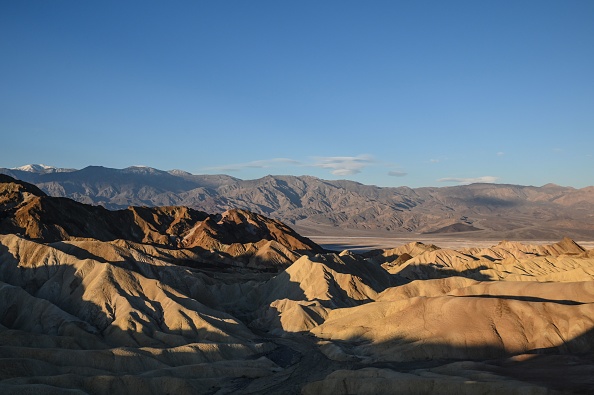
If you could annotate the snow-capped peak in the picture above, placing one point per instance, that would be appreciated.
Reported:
(41, 168)
(34, 168)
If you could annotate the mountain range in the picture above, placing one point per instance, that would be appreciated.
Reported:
(315, 206)
(168, 299)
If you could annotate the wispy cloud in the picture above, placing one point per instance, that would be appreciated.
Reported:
(438, 159)
(256, 164)
(343, 165)
(484, 179)
(500, 153)
(395, 173)
(338, 165)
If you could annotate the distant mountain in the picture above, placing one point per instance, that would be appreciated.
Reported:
(42, 169)
(315, 206)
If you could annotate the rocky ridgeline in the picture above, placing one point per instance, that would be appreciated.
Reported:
(489, 211)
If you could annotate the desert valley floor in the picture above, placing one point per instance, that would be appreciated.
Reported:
(173, 300)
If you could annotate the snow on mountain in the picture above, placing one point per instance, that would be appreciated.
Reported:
(177, 172)
(42, 169)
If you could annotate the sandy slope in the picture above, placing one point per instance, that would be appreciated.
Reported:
(88, 318)
(117, 316)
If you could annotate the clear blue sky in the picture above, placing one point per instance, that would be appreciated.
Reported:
(389, 93)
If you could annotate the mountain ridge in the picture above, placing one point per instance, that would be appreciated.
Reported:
(310, 204)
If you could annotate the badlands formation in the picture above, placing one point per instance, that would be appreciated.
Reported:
(174, 300)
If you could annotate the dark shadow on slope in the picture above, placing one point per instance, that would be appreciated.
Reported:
(569, 367)
(281, 284)
(33, 281)
(457, 228)
(289, 193)
(479, 202)
(435, 271)
(76, 251)
(525, 299)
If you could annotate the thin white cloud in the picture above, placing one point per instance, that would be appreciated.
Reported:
(395, 173)
(256, 164)
(500, 153)
(484, 179)
(343, 165)
(338, 165)
(438, 159)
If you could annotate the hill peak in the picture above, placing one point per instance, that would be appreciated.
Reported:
(10, 185)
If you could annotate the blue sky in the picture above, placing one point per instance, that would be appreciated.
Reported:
(417, 93)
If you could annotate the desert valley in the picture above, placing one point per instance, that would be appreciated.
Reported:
(121, 283)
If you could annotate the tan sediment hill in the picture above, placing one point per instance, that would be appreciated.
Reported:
(446, 313)
(299, 298)
(336, 280)
(564, 247)
(438, 327)
(390, 255)
(251, 308)
(114, 298)
(84, 318)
